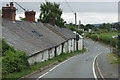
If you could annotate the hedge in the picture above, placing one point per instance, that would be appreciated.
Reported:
(13, 60)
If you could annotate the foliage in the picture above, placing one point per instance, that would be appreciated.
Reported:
(106, 26)
(13, 60)
(53, 10)
(116, 25)
(104, 37)
(113, 58)
(0, 14)
(71, 27)
(22, 19)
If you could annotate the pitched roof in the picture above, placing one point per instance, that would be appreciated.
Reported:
(68, 34)
(30, 37)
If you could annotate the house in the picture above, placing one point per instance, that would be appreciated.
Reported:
(80, 41)
(68, 35)
(40, 41)
(34, 38)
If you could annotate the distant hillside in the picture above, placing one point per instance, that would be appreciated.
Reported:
(97, 25)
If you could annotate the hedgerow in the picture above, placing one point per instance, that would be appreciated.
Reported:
(13, 60)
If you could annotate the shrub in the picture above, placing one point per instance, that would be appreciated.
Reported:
(13, 60)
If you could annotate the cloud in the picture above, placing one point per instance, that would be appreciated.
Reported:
(91, 17)
(61, 0)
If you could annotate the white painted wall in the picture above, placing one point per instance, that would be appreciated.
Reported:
(80, 44)
(42, 56)
(51, 53)
(59, 49)
(48, 54)
(65, 47)
(75, 46)
(72, 47)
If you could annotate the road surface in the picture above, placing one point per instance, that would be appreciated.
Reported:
(80, 66)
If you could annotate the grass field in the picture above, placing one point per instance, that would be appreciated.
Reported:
(105, 38)
(108, 35)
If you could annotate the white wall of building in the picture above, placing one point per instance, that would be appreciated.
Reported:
(51, 53)
(75, 45)
(59, 49)
(80, 44)
(42, 56)
(65, 47)
(69, 46)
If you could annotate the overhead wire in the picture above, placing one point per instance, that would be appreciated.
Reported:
(69, 7)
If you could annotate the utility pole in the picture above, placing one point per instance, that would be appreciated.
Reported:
(79, 24)
(75, 19)
(111, 42)
(76, 32)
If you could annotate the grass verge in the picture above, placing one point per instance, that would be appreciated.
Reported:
(38, 66)
(113, 58)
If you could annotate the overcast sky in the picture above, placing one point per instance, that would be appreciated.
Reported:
(94, 12)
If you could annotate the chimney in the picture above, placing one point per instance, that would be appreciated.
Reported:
(11, 4)
(30, 16)
(9, 12)
(52, 21)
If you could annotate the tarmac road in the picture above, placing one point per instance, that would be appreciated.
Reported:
(80, 66)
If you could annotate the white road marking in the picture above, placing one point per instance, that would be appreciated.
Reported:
(54, 68)
(100, 72)
(42, 75)
(95, 76)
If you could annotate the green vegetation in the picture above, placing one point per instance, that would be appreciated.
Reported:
(113, 58)
(12, 60)
(72, 28)
(22, 19)
(0, 14)
(51, 10)
(38, 66)
(109, 73)
(104, 37)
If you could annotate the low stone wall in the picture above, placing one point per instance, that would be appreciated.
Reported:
(116, 51)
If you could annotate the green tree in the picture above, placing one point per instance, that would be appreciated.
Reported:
(117, 25)
(22, 19)
(106, 26)
(49, 10)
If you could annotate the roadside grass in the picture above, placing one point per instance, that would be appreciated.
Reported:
(0, 68)
(38, 66)
(113, 58)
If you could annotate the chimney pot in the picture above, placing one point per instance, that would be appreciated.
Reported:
(30, 16)
(7, 5)
(11, 4)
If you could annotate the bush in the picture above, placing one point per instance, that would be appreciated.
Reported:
(80, 32)
(13, 60)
